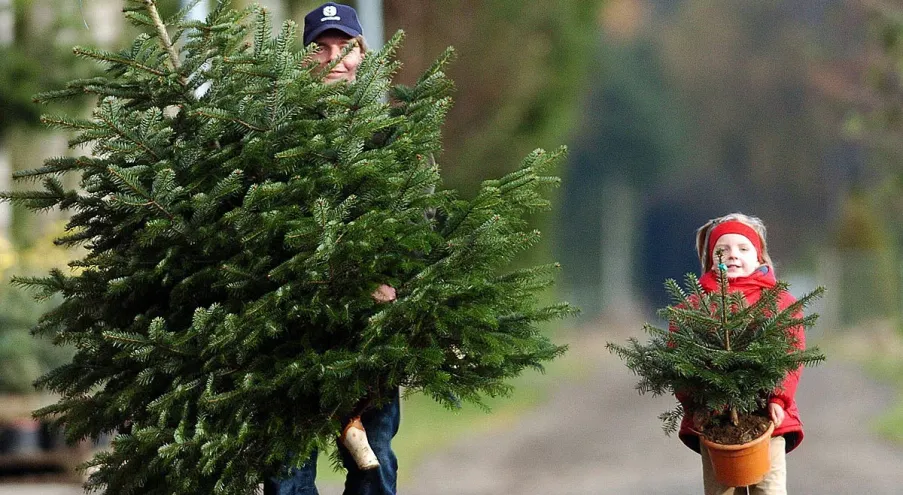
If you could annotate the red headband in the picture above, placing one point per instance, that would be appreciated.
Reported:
(734, 227)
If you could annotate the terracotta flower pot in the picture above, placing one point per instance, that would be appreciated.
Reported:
(740, 465)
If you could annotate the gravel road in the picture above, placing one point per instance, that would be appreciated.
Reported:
(600, 437)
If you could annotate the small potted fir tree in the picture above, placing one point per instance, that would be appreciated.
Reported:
(722, 358)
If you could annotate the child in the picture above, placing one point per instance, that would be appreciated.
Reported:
(741, 240)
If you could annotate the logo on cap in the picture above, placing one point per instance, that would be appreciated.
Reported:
(329, 14)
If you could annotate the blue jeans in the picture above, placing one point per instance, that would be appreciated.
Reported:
(381, 425)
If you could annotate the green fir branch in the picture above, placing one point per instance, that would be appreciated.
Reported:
(116, 59)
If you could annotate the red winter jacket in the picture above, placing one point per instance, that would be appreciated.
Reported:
(751, 287)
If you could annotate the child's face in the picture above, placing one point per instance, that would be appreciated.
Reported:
(739, 255)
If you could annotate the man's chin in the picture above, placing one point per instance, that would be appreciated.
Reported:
(333, 78)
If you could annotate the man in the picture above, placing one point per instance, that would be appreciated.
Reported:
(332, 27)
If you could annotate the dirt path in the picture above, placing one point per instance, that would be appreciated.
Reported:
(598, 436)
(601, 437)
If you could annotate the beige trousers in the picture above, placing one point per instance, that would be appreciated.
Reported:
(775, 482)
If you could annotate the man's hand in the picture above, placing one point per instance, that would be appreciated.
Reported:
(777, 413)
(384, 294)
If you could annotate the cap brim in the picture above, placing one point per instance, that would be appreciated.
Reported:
(326, 27)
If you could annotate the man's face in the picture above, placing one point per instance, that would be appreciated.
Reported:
(331, 44)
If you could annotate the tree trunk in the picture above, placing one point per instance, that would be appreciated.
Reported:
(7, 23)
(200, 10)
(104, 21)
(371, 16)
(277, 10)
(7, 36)
(5, 174)
(619, 229)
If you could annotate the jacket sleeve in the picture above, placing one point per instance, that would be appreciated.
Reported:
(784, 394)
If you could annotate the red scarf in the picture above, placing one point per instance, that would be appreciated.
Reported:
(751, 286)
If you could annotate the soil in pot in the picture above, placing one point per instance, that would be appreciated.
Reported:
(750, 427)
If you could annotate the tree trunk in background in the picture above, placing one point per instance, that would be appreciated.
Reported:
(7, 36)
(199, 12)
(276, 8)
(7, 22)
(5, 173)
(828, 272)
(104, 18)
(620, 227)
(371, 17)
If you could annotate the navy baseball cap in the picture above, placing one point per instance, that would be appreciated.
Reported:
(328, 16)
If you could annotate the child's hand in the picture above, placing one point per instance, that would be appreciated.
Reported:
(699, 421)
(777, 413)
(384, 294)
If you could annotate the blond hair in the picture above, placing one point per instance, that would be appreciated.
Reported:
(361, 42)
(702, 238)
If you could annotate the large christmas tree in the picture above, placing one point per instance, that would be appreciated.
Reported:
(238, 215)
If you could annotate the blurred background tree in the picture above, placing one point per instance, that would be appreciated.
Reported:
(705, 107)
(36, 39)
(675, 111)
(520, 67)
(870, 232)
(24, 358)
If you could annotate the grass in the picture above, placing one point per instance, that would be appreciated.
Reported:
(890, 424)
(427, 427)
(879, 347)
